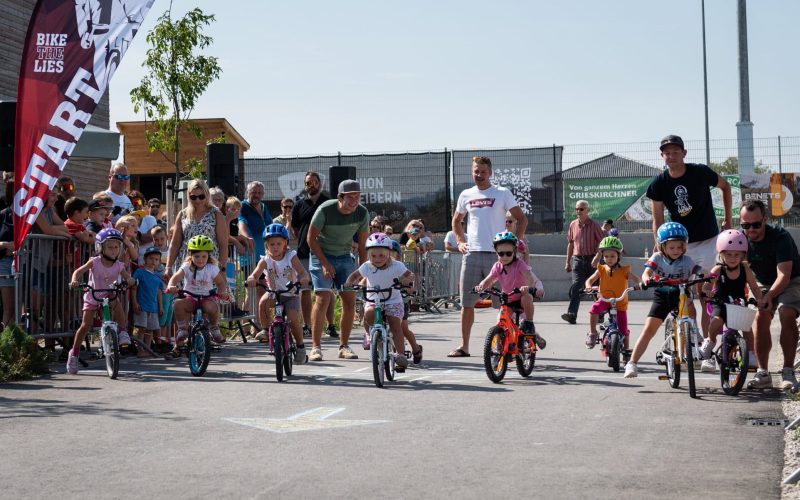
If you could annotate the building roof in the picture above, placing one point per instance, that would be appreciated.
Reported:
(608, 166)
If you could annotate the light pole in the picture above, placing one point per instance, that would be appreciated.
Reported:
(705, 81)
(744, 127)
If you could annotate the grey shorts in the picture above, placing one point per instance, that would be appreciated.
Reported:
(290, 302)
(789, 298)
(146, 320)
(474, 267)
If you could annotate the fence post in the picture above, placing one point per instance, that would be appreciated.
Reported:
(448, 203)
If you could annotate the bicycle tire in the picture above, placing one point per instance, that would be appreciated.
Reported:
(672, 364)
(277, 350)
(494, 356)
(733, 370)
(376, 355)
(288, 358)
(688, 335)
(199, 351)
(526, 357)
(390, 362)
(614, 350)
(112, 354)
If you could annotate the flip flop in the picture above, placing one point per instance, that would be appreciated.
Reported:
(458, 353)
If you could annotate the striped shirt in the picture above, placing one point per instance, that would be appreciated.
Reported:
(585, 238)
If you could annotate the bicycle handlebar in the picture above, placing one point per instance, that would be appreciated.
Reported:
(615, 299)
(366, 289)
(183, 293)
(501, 294)
(118, 287)
(676, 283)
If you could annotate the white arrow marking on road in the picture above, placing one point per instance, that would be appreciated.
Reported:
(311, 420)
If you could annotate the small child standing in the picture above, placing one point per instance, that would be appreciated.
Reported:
(513, 273)
(97, 216)
(165, 318)
(669, 263)
(147, 300)
(128, 226)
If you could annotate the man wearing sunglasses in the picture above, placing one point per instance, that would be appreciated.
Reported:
(685, 190)
(773, 257)
(117, 182)
(583, 238)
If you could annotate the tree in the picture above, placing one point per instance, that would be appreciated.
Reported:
(731, 167)
(177, 74)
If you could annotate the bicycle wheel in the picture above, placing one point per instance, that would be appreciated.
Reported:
(526, 357)
(494, 356)
(199, 350)
(288, 358)
(689, 333)
(672, 364)
(110, 350)
(614, 350)
(389, 362)
(733, 369)
(277, 350)
(376, 354)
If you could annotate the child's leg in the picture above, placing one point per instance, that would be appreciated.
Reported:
(409, 336)
(598, 308)
(396, 326)
(80, 333)
(715, 328)
(295, 325)
(118, 313)
(211, 311)
(651, 326)
(265, 305)
(622, 324)
(369, 316)
(593, 323)
(527, 305)
(182, 309)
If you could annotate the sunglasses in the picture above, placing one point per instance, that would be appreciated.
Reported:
(121, 177)
(754, 225)
(68, 187)
(509, 222)
(195, 197)
(505, 254)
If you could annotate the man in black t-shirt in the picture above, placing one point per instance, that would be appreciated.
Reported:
(683, 189)
(774, 260)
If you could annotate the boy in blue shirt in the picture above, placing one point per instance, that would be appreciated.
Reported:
(147, 299)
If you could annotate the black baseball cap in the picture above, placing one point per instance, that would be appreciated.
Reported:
(95, 204)
(671, 139)
(349, 186)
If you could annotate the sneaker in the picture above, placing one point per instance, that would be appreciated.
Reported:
(300, 356)
(365, 342)
(346, 353)
(124, 338)
(569, 318)
(788, 380)
(761, 380)
(631, 370)
(708, 366)
(72, 364)
(401, 360)
(417, 356)
(541, 343)
(591, 340)
(217, 335)
(316, 354)
(306, 332)
(183, 335)
(262, 336)
(331, 331)
(706, 349)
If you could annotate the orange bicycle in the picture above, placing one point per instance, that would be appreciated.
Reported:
(506, 340)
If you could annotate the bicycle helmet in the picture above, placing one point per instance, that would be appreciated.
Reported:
(379, 240)
(611, 243)
(670, 231)
(200, 243)
(504, 237)
(731, 240)
(278, 230)
(396, 246)
(106, 234)
(613, 232)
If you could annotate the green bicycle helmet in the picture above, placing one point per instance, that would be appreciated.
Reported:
(611, 243)
(504, 237)
(200, 243)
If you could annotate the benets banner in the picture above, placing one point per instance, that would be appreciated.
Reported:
(72, 50)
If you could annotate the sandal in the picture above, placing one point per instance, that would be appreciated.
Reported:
(458, 353)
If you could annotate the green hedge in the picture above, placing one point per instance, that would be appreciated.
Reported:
(20, 357)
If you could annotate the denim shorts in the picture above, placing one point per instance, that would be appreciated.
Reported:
(343, 266)
(6, 280)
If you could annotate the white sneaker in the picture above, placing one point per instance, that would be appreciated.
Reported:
(316, 354)
(631, 370)
(708, 366)
(72, 363)
(182, 335)
(124, 338)
(591, 340)
(788, 379)
(761, 380)
(262, 336)
(706, 349)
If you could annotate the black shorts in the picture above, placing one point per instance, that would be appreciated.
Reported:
(664, 301)
(720, 310)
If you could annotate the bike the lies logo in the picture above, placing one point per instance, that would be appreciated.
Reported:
(49, 53)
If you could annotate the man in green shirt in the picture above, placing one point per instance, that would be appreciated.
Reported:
(329, 238)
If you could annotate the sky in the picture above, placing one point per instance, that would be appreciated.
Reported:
(306, 77)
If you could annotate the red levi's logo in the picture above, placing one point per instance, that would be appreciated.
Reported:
(481, 203)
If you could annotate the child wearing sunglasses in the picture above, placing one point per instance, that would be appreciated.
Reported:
(512, 273)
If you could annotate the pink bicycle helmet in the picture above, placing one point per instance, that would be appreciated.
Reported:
(731, 240)
(379, 240)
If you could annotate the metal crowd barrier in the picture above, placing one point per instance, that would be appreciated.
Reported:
(437, 275)
(243, 307)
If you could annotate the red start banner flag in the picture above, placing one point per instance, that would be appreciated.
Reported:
(72, 50)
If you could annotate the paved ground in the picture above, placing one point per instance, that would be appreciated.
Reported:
(573, 429)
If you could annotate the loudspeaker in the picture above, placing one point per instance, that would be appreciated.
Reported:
(8, 112)
(338, 174)
(223, 167)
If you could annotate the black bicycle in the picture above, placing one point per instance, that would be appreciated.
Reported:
(198, 346)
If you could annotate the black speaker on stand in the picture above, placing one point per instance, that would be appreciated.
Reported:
(338, 174)
(8, 112)
(223, 167)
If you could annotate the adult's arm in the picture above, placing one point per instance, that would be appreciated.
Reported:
(522, 221)
(727, 202)
(316, 249)
(461, 238)
(362, 246)
(657, 208)
(223, 233)
(781, 282)
(57, 228)
(175, 243)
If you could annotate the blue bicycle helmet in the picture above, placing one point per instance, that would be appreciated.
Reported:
(276, 230)
(670, 231)
(504, 237)
(396, 246)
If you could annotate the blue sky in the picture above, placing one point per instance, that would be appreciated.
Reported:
(368, 76)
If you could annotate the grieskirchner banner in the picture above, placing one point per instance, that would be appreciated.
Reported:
(72, 50)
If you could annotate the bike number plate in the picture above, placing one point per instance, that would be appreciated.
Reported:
(278, 309)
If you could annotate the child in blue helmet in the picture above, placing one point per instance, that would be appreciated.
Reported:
(669, 263)
(513, 272)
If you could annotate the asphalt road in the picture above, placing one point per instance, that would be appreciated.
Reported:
(442, 430)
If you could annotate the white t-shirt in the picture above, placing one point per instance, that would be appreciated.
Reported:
(280, 272)
(383, 278)
(450, 237)
(200, 282)
(487, 214)
(120, 200)
(148, 223)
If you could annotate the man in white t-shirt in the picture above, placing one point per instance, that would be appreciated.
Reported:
(117, 181)
(487, 206)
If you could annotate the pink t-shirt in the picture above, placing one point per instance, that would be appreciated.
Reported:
(515, 275)
(101, 276)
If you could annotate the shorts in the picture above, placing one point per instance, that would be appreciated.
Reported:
(89, 304)
(394, 310)
(146, 320)
(343, 266)
(663, 303)
(475, 266)
(166, 306)
(6, 276)
(790, 297)
(289, 302)
(196, 302)
(703, 253)
(599, 307)
(304, 262)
